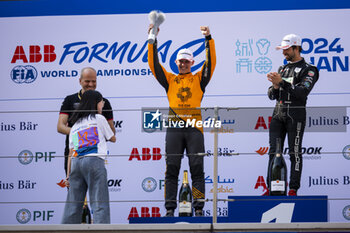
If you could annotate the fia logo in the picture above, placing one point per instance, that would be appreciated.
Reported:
(152, 120)
(24, 74)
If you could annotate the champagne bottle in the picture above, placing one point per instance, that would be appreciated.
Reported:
(185, 198)
(86, 217)
(278, 172)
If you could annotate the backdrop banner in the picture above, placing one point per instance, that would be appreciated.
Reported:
(41, 59)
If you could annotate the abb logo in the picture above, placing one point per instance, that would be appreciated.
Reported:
(35, 54)
(155, 212)
(146, 154)
(261, 183)
(262, 123)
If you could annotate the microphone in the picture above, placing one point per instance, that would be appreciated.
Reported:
(156, 18)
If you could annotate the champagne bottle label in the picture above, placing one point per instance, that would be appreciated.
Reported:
(185, 207)
(185, 198)
(277, 185)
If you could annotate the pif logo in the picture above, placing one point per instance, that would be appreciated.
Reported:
(25, 157)
(346, 152)
(149, 184)
(346, 212)
(23, 216)
(35, 54)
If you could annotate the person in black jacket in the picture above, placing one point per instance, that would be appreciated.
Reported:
(290, 87)
(87, 81)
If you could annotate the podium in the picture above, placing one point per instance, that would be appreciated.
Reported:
(260, 209)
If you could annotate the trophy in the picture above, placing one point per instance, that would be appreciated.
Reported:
(156, 18)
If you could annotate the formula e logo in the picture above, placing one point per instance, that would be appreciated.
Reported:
(151, 120)
(25, 157)
(346, 152)
(23, 216)
(24, 74)
(149, 184)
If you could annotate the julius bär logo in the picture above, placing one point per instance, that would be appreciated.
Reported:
(23, 216)
(24, 74)
(25, 157)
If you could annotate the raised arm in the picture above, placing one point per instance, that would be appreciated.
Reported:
(153, 61)
(210, 58)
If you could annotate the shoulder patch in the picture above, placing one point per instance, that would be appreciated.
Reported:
(311, 73)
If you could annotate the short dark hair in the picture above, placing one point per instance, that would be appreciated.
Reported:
(87, 106)
(297, 47)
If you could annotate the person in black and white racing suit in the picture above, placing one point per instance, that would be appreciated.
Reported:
(290, 87)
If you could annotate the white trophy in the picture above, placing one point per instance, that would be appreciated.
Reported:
(156, 18)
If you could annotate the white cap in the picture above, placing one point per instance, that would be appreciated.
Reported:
(289, 41)
(185, 54)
